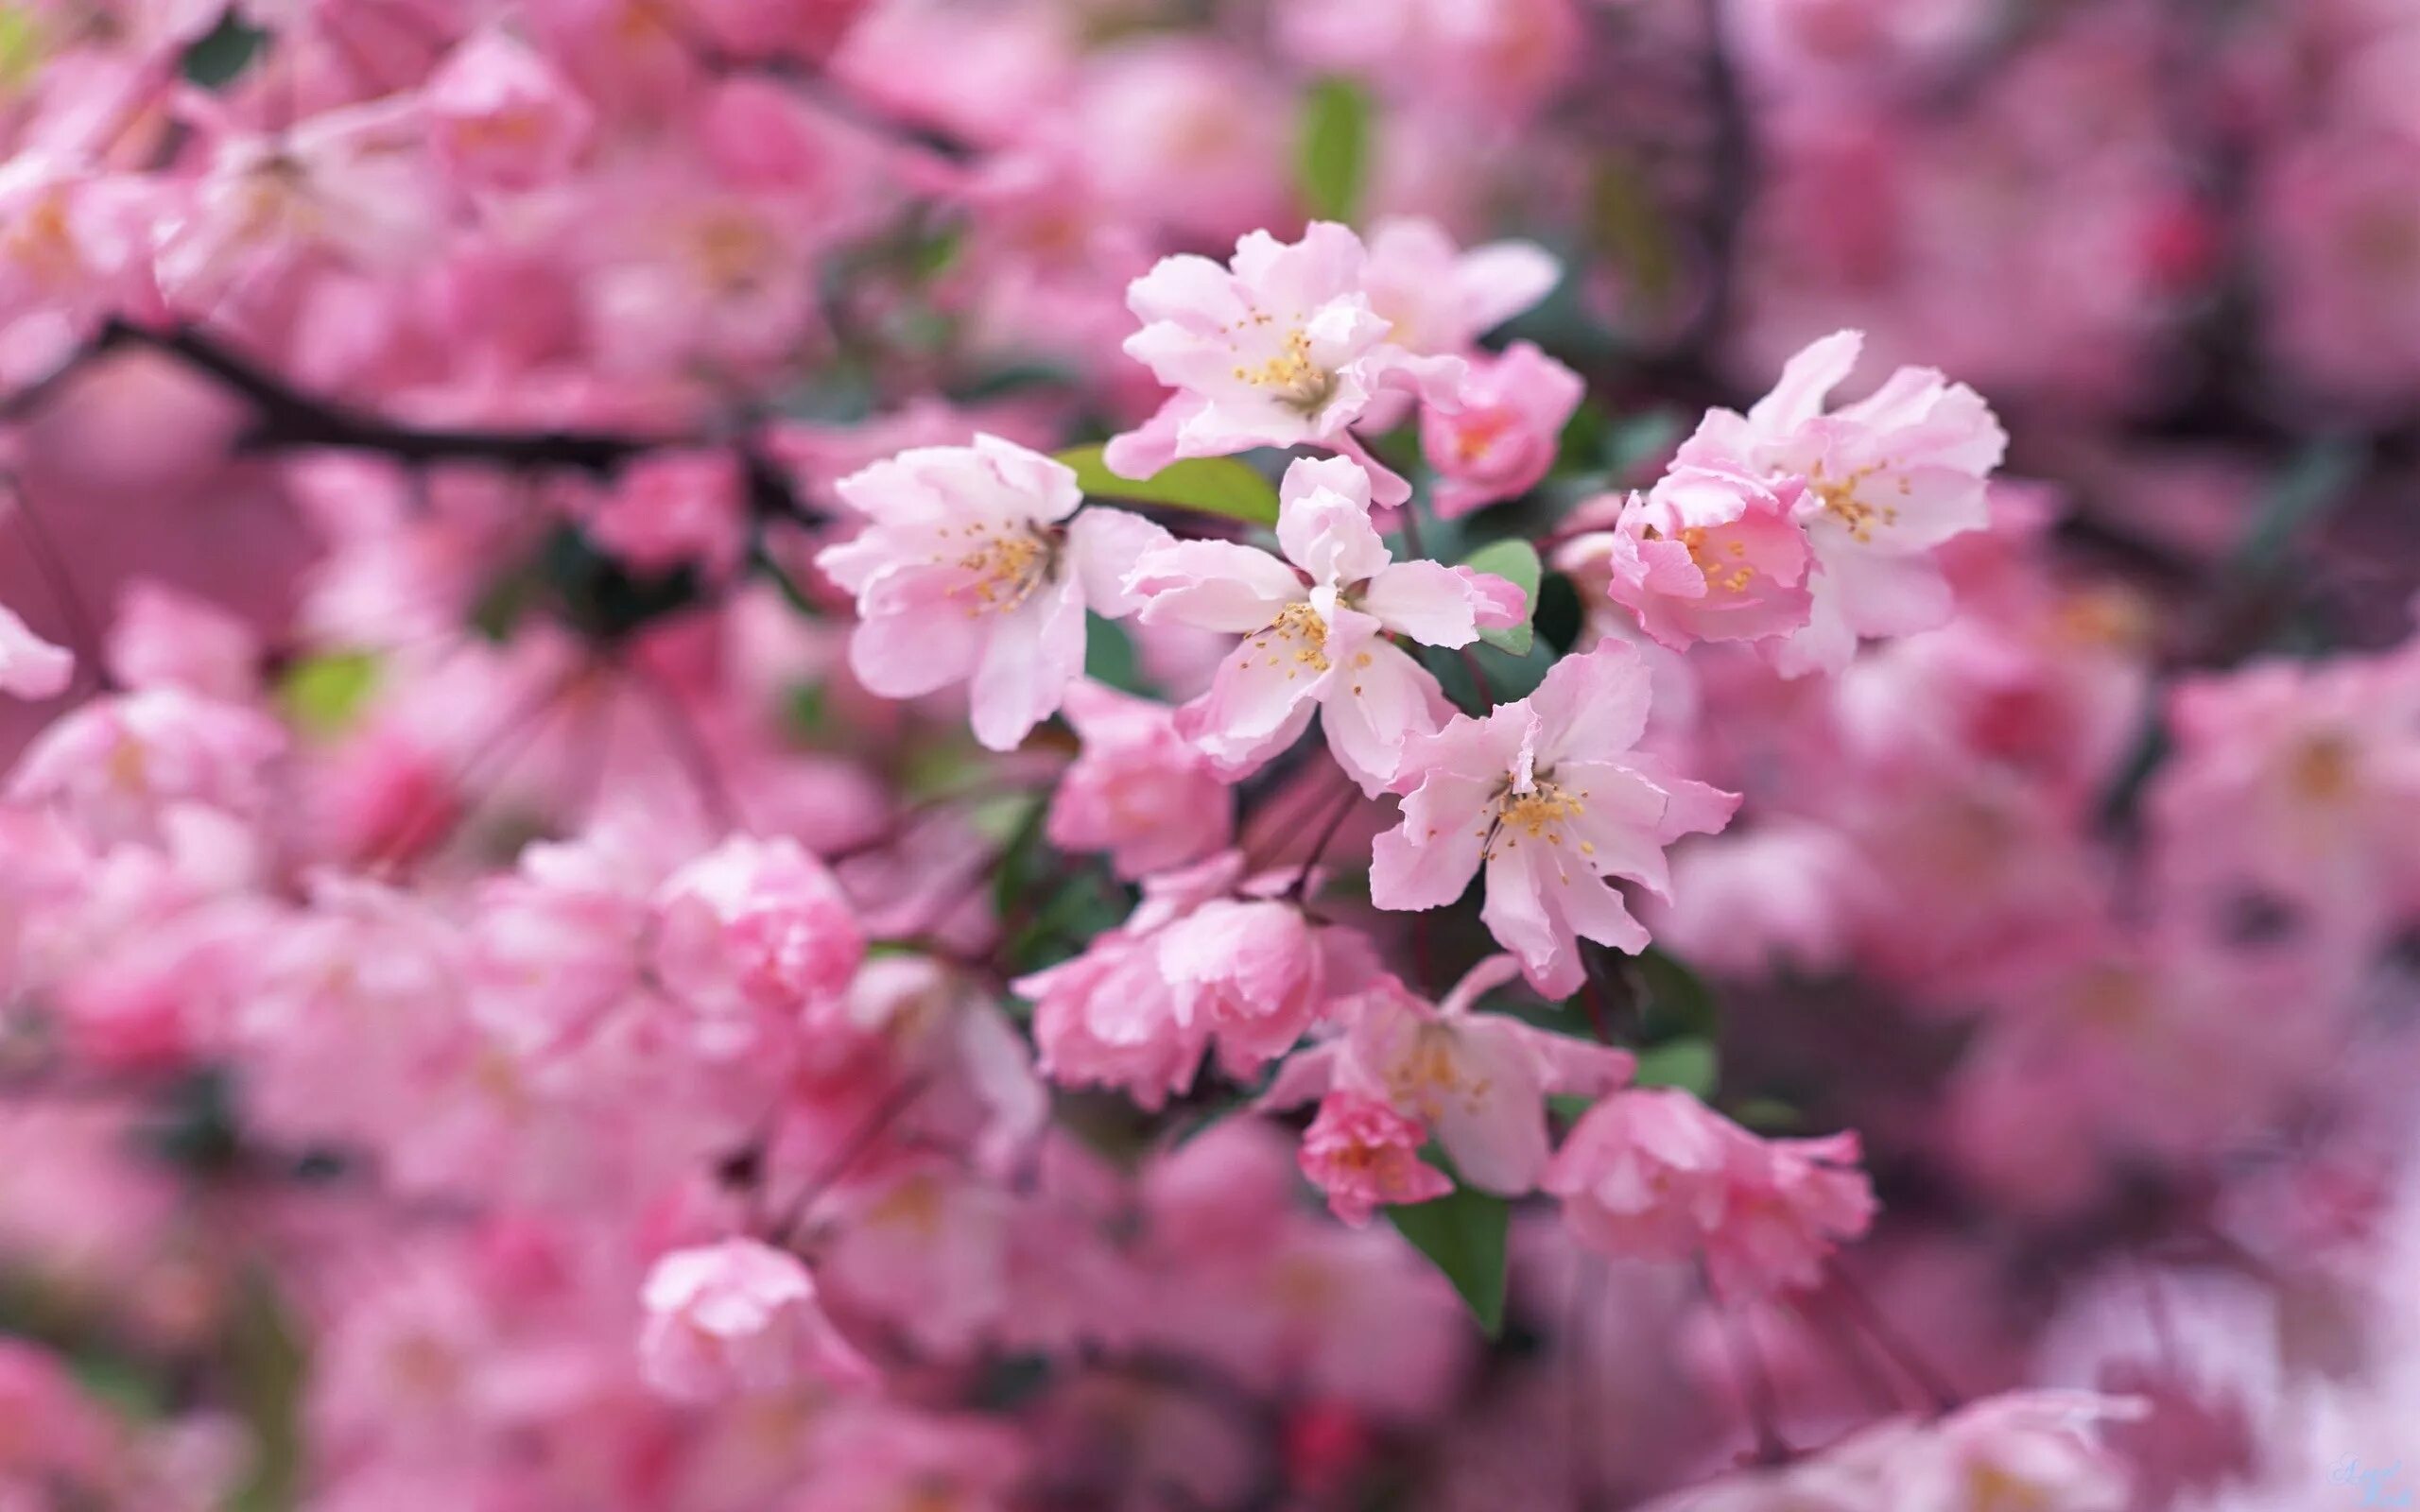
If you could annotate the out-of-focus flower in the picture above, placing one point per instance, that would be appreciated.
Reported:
(739, 1317)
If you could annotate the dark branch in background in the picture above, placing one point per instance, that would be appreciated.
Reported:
(1733, 169)
(288, 419)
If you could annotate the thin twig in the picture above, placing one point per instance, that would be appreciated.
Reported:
(91, 650)
(1757, 1392)
(1870, 1318)
(868, 1134)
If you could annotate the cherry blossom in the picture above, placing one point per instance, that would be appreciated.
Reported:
(966, 572)
(1556, 769)
(1316, 631)
(1279, 347)
(738, 1316)
(1363, 1155)
(1886, 479)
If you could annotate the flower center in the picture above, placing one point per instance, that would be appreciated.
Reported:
(1730, 575)
(1291, 376)
(1539, 814)
(1004, 565)
(1297, 631)
(1839, 500)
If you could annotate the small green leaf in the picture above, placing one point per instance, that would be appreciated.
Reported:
(1679, 1002)
(1109, 656)
(1688, 1064)
(1767, 1115)
(216, 60)
(1517, 562)
(1463, 1235)
(322, 695)
(1333, 151)
(1206, 485)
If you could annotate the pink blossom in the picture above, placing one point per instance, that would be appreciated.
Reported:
(31, 667)
(1477, 1082)
(738, 1317)
(1108, 1019)
(1280, 348)
(119, 764)
(501, 116)
(1886, 480)
(1438, 298)
(1139, 790)
(1364, 1155)
(752, 931)
(1555, 770)
(1712, 553)
(1654, 1174)
(162, 637)
(1501, 436)
(966, 572)
(674, 509)
(1315, 632)
(1254, 972)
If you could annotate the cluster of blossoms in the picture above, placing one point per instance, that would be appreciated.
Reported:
(660, 845)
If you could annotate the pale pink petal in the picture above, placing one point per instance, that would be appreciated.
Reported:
(1437, 605)
(1375, 700)
(1494, 1127)
(1035, 651)
(1503, 279)
(1592, 707)
(1807, 380)
(1105, 545)
(31, 667)
(1213, 585)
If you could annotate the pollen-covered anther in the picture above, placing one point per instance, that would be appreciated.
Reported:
(1299, 626)
(1540, 814)
(1291, 376)
(1006, 568)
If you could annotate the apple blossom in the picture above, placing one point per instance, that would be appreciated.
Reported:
(1653, 1174)
(1365, 1155)
(965, 570)
(1316, 631)
(1280, 348)
(1500, 437)
(738, 1316)
(1886, 479)
(1139, 790)
(1555, 769)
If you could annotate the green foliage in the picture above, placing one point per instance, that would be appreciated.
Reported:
(1332, 150)
(1205, 484)
(266, 1361)
(1463, 1236)
(219, 58)
(323, 695)
(1515, 561)
(1109, 656)
(1679, 1002)
(1689, 1064)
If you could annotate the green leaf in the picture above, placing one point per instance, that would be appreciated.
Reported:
(1679, 1002)
(1517, 561)
(1332, 153)
(265, 1363)
(216, 60)
(1688, 1064)
(1109, 656)
(322, 695)
(1463, 1235)
(1206, 485)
